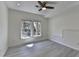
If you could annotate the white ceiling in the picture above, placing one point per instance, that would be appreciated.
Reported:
(29, 6)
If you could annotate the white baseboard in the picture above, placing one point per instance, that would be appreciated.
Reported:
(62, 43)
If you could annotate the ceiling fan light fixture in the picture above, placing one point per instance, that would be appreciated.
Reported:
(44, 8)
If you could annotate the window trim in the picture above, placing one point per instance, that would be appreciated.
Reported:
(32, 36)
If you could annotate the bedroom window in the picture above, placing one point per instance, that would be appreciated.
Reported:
(30, 29)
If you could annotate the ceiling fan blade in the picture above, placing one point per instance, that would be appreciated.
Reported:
(39, 9)
(44, 4)
(37, 6)
(40, 3)
(49, 7)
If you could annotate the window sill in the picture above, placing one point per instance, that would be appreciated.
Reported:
(37, 36)
(31, 37)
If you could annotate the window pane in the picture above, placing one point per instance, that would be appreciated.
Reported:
(26, 29)
(34, 28)
(37, 28)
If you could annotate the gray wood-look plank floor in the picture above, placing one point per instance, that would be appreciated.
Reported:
(42, 49)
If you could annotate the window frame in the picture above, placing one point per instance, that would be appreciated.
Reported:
(32, 35)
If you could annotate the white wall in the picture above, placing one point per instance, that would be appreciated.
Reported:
(14, 30)
(69, 20)
(3, 28)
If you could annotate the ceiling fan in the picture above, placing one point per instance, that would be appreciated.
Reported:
(43, 6)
